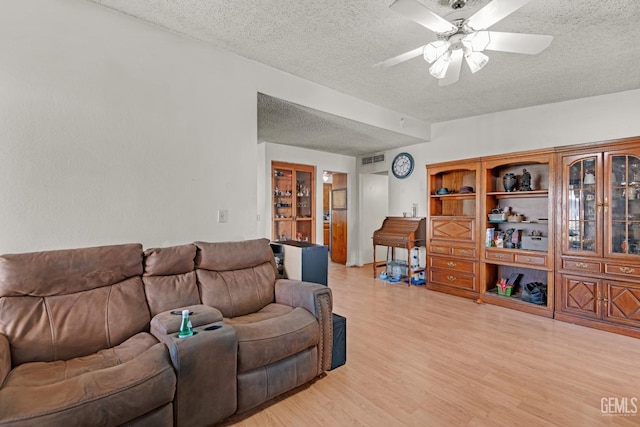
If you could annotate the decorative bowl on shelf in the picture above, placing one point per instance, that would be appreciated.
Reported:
(515, 218)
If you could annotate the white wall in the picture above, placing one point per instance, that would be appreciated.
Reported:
(572, 122)
(403, 193)
(322, 161)
(374, 204)
(578, 121)
(113, 130)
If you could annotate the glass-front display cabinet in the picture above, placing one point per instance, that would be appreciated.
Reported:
(583, 202)
(293, 202)
(602, 205)
(623, 198)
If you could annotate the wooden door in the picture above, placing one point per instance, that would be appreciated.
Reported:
(339, 218)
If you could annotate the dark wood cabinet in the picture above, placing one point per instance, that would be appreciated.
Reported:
(599, 229)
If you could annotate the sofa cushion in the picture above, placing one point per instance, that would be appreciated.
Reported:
(78, 324)
(67, 271)
(170, 292)
(111, 395)
(42, 373)
(169, 261)
(224, 256)
(268, 340)
(239, 292)
(237, 278)
(69, 303)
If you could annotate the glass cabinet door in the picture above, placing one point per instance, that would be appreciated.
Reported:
(304, 206)
(623, 202)
(582, 205)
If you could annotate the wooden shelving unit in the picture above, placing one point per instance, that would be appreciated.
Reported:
(532, 265)
(452, 237)
(293, 201)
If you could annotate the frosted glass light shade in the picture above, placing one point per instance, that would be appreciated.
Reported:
(476, 60)
(435, 50)
(477, 41)
(439, 68)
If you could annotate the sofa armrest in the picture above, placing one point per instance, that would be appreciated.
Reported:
(205, 364)
(5, 358)
(318, 300)
(168, 322)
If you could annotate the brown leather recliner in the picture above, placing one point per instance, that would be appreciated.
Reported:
(73, 346)
(282, 328)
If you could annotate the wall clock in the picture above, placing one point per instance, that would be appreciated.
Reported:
(402, 165)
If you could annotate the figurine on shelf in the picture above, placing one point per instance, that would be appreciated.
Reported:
(525, 182)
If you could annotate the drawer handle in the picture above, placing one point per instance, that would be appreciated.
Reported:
(627, 270)
(465, 252)
(499, 256)
(528, 259)
(582, 265)
(451, 264)
(451, 278)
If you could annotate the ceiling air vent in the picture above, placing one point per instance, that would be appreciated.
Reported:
(368, 160)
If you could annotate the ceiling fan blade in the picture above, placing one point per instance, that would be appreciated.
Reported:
(494, 12)
(531, 44)
(400, 58)
(418, 13)
(453, 73)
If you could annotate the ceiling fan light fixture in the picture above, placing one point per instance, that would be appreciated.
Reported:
(439, 68)
(476, 60)
(435, 50)
(477, 41)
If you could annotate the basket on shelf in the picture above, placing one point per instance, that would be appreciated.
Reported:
(504, 289)
(498, 216)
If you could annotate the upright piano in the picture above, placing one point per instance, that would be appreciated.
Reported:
(400, 232)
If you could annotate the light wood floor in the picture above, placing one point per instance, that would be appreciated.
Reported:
(423, 358)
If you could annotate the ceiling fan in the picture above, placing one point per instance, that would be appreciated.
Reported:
(464, 37)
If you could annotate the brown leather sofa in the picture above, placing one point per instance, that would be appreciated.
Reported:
(87, 336)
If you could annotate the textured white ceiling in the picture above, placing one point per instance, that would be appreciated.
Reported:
(596, 50)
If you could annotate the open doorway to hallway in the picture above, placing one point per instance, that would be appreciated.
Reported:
(335, 211)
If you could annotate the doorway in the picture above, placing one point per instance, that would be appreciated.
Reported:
(335, 210)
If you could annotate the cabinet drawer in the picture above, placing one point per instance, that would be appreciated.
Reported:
(439, 249)
(459, 229)
(452, 278)
(453, 264)
(531, 259)
(581, 266)
(499, 256)
(621, 269)
(464, 252)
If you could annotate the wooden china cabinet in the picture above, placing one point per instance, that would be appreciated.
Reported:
(293, 200)
(453, 247)
(598, 271)
(523, 244)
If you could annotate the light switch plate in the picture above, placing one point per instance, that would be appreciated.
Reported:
(223, 215)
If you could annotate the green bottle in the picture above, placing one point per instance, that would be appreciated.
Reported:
(185, 326)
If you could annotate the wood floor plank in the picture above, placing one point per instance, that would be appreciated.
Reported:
(422, 358)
